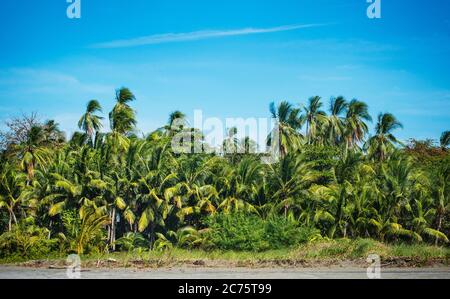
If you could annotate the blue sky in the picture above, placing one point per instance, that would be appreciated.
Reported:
(229, 58)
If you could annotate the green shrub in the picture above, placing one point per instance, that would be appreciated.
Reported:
(131, 242)
(26, 241)
(244, 232)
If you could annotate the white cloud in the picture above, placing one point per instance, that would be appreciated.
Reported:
(196, 35)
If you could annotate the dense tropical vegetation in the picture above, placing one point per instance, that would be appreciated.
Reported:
(111, 190)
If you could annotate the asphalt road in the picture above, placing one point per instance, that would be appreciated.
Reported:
(237, 273)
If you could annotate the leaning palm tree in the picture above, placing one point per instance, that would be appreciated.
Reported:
(122, 119)
(91, 123)
(338, 107)
(356, 128)
(383, 141)
(445, 140)
(177, 123)
(315, 118)
(177, 118)
(289, 121)
(32, 152)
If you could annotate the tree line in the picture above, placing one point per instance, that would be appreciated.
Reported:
(112, 190)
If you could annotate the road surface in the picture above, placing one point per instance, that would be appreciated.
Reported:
(7, 272)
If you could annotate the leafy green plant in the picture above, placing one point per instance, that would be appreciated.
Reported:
(27, 241)
(186, 237)
(252, 233)
(131, 242)
(83, 232)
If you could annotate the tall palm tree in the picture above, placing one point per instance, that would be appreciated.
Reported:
(33, 151)
(383, 141)
(445, 140)
(122, 119)
(177, 118)
(91, 123)
(338, 107)
(289, 121)
(231, 143)
(177, 123)
(315, 118)
(248, 146)
(356, 128)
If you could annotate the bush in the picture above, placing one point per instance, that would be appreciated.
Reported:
(132, 242)
(26, 241)
(244, 232)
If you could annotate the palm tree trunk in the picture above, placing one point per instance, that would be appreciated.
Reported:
(152, 234)
(113, 229)
(50, 230)
(14, 217)
(10, 221)
(109, 229)
(438, 228)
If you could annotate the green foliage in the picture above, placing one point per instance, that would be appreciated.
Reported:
(26, 241)
(251, 233)
(119, 191)
(83, 233)
(132, 242)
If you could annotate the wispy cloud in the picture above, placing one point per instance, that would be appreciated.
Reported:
(196, 35)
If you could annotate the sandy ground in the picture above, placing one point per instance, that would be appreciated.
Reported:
(12, 272)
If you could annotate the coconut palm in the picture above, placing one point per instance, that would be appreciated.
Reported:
(122, 119)
(177, 121)
(445, 140)
(288, 180)
(315, 119)
(383, 142)
(356, 129)
(12, 185)
(52, 134)
(441, 195)
(91, 123)
(289, 122)
(32, 152)
(336, 123)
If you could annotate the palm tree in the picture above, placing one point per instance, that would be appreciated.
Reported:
(177, 121)
(122, 119)
(231, 144)
(445, 140)
(288, 179)
(288, 123)
(32, 152)
(248, 146)
(52, 134)
(12, 185)
(383, 141)
(315, 119)
(336, 125)
(356, 128)
(91, 123)
(441, 196)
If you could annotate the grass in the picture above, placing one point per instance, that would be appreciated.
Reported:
(320, 253)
